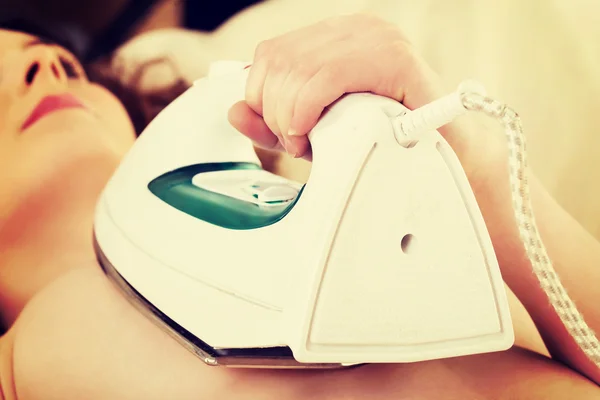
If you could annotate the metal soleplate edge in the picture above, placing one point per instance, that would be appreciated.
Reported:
(274, 357)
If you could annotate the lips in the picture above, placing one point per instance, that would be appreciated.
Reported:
(51, 104)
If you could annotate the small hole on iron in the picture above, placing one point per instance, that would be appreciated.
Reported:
(408, 244)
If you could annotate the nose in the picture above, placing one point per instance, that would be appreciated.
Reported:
(44, 66)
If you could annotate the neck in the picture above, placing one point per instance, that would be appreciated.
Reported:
(41, 241)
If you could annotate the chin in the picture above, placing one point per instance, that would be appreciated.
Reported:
(79, 129)
(60, 172)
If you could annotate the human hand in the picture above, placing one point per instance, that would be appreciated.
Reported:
(296, 75)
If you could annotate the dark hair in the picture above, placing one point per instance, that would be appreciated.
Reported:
(62, 35)
(141, 107)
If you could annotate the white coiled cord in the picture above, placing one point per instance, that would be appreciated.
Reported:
(471, 97)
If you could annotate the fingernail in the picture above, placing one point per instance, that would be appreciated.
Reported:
(293, 132)
(290, 147)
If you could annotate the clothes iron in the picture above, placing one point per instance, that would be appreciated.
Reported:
(381, 256)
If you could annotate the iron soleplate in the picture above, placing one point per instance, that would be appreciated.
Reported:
(272, 357)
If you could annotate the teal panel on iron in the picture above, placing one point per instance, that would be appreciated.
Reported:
(177, 189)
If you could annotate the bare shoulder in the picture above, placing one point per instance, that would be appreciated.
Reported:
(80, 339)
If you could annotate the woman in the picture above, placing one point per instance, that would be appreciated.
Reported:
(72, 335)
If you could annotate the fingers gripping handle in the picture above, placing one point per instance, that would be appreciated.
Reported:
(225, 77)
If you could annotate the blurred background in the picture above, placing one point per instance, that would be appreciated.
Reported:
(103, 25)
(540, 56)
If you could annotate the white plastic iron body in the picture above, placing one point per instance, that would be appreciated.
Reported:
(381, 257)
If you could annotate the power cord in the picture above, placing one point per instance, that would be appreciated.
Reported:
(470, 96)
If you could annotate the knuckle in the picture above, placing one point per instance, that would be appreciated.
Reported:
(254, 99)
(305, 106)
(273, 56)
(392, 33)
(409, 64)
(404, 50)
(335, 73)
(254, 102)
(302, 71)
(279, 62)
(263, 49)
(302, 100)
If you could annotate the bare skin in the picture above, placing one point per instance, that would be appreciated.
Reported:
(72, 335)
(79, 338)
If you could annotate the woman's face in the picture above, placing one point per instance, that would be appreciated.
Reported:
(58, 131)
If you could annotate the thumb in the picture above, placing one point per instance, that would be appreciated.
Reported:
(253, 126)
